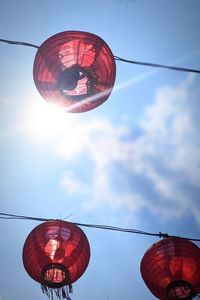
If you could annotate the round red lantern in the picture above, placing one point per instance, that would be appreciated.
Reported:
(56, 253)
(75, 70)
(171, 269)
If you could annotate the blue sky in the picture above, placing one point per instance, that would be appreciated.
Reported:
(132, 162)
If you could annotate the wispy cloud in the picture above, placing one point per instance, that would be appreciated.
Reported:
(72, 185)
(161, 166)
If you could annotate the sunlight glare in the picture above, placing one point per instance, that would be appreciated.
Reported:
(46, 122)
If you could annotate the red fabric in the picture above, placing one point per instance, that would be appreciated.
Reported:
(58, 242)
(70, 50)
(168, 261)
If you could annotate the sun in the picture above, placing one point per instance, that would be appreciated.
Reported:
(45, 122)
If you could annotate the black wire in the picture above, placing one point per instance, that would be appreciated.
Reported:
(160, 234)
(112, 228)
(19, 43)
(156, 65)
(105, 227)
(19, 217)
(116, 58)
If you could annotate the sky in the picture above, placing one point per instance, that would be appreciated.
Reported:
(133, 162)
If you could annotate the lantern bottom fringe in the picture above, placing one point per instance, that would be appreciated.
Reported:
(59, 293)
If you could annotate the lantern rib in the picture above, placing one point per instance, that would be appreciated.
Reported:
(6, 216)
(117, 58)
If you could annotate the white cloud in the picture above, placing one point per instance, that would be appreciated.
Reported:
(165, 156)
(70, 183)
(169, 127)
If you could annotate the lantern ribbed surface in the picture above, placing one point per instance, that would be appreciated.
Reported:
(75, 70)
(56, 252)
(171, 269)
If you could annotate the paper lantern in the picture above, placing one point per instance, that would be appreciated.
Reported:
(75, 70)
(55, 254)
(171, 269)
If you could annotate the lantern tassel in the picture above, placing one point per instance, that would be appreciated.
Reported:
(60, 293)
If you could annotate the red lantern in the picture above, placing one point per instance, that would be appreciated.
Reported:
(75, 70)
(56, 253)
(171, 269)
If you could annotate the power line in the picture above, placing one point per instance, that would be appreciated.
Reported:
(156, 65)
(19, 217)
(6, 216)
(117, 58)
(18, 43)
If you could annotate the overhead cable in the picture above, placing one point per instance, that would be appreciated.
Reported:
(18, 43)
(7, 216)
(156, 65)
(117, 58)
